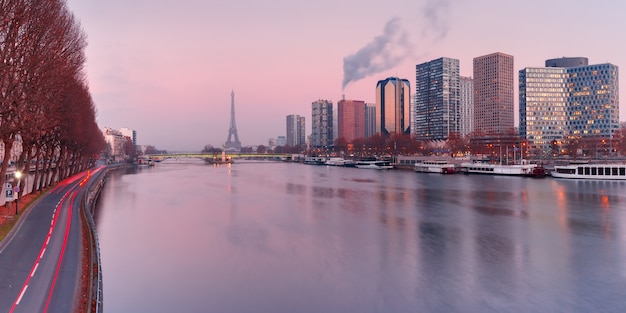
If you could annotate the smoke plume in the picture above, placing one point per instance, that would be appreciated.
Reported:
(382, 53)
(436, 15)
(393, 46)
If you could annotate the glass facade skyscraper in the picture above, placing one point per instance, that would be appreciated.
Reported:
(593, 103)
(557, 103)
(393, 106)
(542, 106)
(437, 99)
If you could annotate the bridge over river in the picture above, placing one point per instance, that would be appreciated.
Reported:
(228, 155)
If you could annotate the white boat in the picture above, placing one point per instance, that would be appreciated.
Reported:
(315, 160)
(377, 165)
(441, 167)
(613, 171)
(339, 162)
(144, 162)
(530, 170)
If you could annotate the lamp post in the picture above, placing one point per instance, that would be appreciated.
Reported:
(18, 175)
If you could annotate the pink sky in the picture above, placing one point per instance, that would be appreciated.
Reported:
(166, 68)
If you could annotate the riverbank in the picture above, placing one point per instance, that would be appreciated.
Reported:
(91, 274)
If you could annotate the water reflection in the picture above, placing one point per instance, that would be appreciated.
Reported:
(282, 237)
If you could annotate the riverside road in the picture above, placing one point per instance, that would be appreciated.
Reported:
(40, 262)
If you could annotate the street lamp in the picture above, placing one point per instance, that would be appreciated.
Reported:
(18, 175)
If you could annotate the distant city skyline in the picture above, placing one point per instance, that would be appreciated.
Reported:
(166, 69)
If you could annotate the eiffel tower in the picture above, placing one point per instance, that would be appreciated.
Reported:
(232, 131)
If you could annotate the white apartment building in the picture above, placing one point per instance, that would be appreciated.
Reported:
(115, 139)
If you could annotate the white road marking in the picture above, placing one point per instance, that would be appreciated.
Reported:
(21, 295)
(34, 270)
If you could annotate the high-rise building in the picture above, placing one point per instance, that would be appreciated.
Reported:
(561, 102)
(302, 132)
(437, 99)
(370, 119)
(322, 123)
(493, 93)
(593, 104)
(281, 141)
(335, 126)
(467, 105)
(295, 130)
(393, 106)
(130, 133)
(542, 106)
(115, 141)
(351, 119)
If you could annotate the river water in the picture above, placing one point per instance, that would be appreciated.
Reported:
(185, 236)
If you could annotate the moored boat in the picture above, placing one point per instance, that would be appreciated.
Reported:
(527, 170)
(218, 161)
(339, 162)
(377, 165)
(315, 160)
(143, 162)
(613, 171)
(441, 167)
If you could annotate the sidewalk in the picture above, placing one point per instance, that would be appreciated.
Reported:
(7, 212)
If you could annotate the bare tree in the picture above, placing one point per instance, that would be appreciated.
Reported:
(619, 141)
(43, 97)
(261, 149)
(456, 143)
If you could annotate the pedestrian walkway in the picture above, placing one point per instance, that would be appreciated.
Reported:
(7, 212)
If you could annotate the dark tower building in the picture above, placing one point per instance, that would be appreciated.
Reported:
(232, 131)
(437, 99)
(322, 123)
